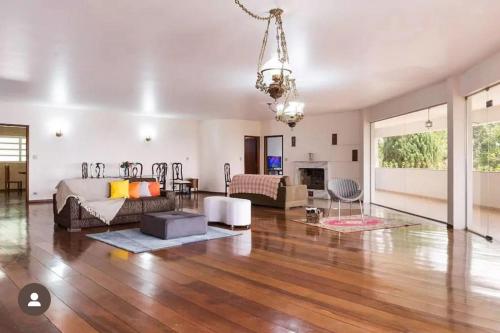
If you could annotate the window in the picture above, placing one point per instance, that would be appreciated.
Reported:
(12, 149)
(409, 157)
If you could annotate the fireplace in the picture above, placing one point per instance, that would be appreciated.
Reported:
(313, 178)
(315, 175)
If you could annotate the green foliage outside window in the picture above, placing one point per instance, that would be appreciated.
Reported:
(419, 150)
(486, 152)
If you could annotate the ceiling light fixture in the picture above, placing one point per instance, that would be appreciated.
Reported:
(428, 123)
(290, 112)
(274, 77)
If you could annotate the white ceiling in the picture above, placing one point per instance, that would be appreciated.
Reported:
(198, 58)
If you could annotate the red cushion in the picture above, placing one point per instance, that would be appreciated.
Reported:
(154, 189)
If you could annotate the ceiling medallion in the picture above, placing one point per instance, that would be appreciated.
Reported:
(274, 77)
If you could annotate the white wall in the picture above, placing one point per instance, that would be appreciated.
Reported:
(414, 181)
(98, 136)
(432, 95)
(222, 141)
(314, 135)
(483, 74)
(432, 184)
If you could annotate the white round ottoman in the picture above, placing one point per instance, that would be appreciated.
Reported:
(231, 211)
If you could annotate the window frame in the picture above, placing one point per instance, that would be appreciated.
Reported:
(20, 147)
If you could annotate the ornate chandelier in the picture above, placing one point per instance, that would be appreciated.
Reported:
(289, 112)
(274, 77)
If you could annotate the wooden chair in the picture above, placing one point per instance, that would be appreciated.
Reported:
(131, 170)
(159, 171)
(8, 182)
(85, 170)
(178, 179)
(97, 170)
(227, 176)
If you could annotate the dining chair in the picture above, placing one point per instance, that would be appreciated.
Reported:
(159, 171)
(8, 181)
(227, 176)
(178, 178)
(85, 170)
(97, 170)
(131, 169)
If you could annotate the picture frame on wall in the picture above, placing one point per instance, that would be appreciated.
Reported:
(293, 141)
(334, 139)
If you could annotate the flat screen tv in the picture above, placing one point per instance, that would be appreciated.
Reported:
(274, 162)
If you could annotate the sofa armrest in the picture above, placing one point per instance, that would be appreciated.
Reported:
(68, 214)
(296, 192)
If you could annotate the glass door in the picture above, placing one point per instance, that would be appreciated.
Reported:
(483, 109)
(409, 158)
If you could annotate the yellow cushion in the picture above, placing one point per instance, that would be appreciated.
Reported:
(119, 189)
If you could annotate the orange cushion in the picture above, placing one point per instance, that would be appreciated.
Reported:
(134, 190)
(154, 189)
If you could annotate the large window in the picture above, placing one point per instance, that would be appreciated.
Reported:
(484, 162)
(12, 149)
(409, 158)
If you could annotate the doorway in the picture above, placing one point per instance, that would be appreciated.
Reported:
(252, 155)
(409, 162)
(483, 162)
(273, 155)
(14, 184)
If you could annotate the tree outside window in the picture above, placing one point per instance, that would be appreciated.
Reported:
(426, 150)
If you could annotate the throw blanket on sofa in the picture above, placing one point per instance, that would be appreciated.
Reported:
(91, 194)
(258, 184)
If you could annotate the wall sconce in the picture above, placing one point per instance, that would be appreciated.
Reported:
(59, 133)
(148, 138)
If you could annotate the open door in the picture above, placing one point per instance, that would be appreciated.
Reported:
(252, 154)
(14, 164)
(273, 155)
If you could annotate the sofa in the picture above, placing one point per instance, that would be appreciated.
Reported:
(289, 196)
(74, 217)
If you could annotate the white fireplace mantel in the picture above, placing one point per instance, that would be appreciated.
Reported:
(325, 165)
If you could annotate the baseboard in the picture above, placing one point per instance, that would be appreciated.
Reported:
(43, 201)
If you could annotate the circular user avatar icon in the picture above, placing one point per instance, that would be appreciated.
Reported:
(34, 299)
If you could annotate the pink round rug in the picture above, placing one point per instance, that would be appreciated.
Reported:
(353, 222)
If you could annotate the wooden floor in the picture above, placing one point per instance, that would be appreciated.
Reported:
(280, 276)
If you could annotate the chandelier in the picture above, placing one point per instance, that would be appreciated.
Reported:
(274, 77)
(289, 112)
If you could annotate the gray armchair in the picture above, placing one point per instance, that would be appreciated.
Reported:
(345, 190)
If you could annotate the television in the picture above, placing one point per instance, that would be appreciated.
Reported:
(274, 162)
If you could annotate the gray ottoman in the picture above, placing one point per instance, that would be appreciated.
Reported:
(174, 224)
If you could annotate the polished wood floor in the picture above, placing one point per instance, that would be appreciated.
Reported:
(280, 276)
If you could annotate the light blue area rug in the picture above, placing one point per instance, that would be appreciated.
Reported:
(133, 240)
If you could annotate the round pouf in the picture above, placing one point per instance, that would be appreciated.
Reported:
(231, 211)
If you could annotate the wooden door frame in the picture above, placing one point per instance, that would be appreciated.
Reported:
(265, 151)
(27, 127)
(258, 151)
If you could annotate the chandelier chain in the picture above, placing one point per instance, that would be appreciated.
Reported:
(263, 47)
(276, 80)
(255, 16)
